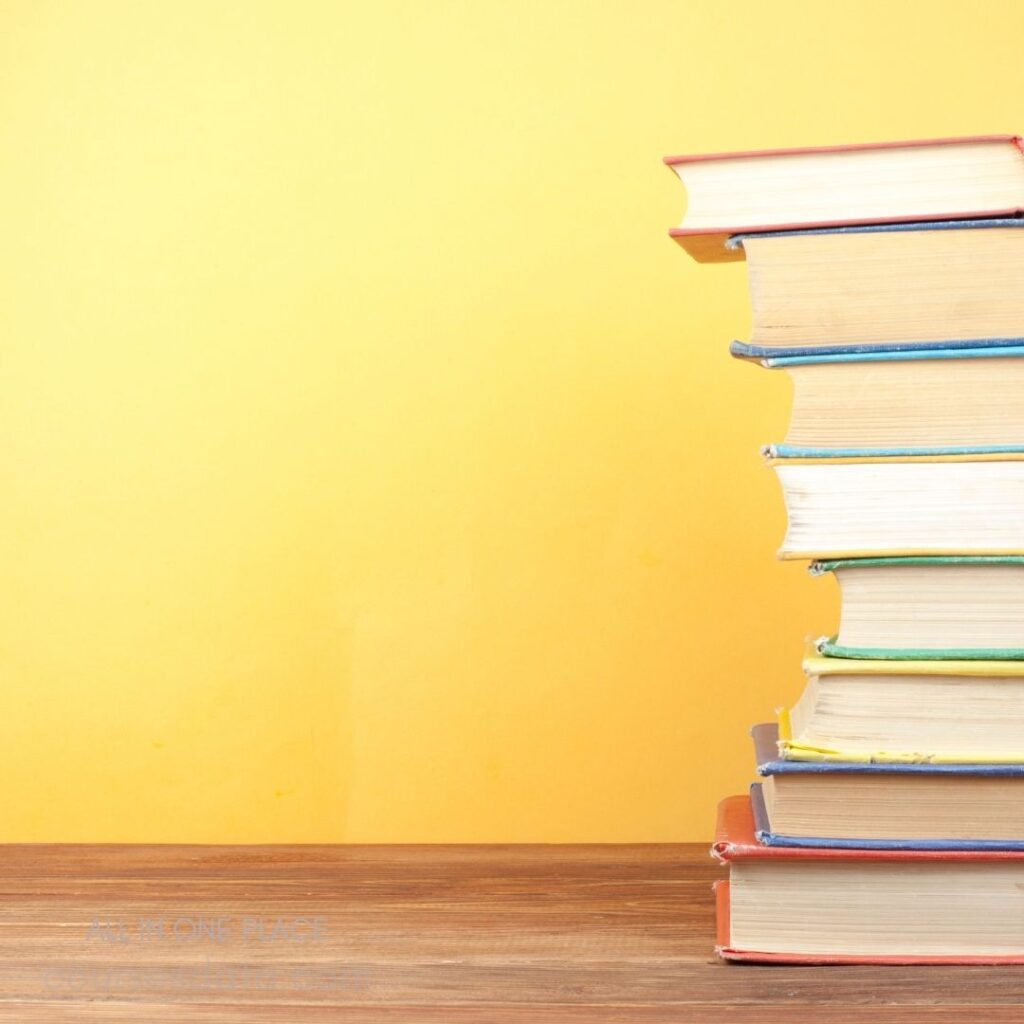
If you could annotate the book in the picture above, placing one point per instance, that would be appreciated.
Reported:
(871, 805)
(831, 905)
(932, 179)
(917, 711)
(876, 505)
(906, 406)
(931, 282)
(951, 607)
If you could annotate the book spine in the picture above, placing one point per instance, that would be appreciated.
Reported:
(801, 355)
(829, 649)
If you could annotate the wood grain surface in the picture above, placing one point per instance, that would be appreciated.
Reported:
(416, 933)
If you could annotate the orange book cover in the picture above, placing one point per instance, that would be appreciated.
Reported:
(734, 840)
(707, 244)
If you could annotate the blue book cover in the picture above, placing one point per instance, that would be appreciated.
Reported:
(952, 348)
(796, 451)
(765, 737)
(779, 357)
(763, 834)
(766, 753)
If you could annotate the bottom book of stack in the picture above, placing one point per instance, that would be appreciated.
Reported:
(901, 903)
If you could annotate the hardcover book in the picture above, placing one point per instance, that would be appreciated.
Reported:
(905, 406)
(881, 505)
(933, 283)
(928, 608)
(903, 710)
(836, 906)
(932, 179)
(884, 805)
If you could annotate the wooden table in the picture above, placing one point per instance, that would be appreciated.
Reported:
(419, 934)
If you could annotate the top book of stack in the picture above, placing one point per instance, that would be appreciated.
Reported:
(889, 183)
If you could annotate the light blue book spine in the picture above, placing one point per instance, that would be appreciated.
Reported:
(979, 348)
(796, 451)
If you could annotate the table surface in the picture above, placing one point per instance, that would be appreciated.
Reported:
(420, 934)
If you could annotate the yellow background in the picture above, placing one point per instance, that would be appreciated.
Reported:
(372, 464)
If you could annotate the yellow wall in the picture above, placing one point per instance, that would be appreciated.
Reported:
(371, 464)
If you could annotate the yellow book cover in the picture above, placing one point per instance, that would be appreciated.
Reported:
(817, 665)
(791, 749)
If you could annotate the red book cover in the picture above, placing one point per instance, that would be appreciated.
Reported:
(734, 840)
(707, 244)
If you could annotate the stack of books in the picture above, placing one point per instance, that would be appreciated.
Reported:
(888, 282)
